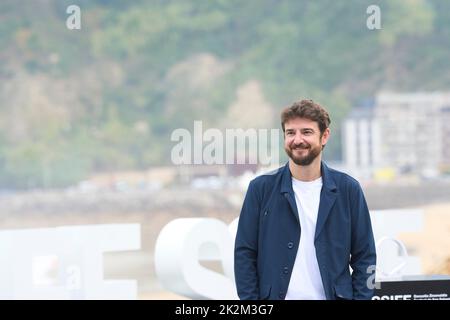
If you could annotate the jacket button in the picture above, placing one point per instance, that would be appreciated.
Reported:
(285, 270)
(290, 245)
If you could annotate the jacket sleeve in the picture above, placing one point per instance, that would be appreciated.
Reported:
(363, 254)
(246, 247)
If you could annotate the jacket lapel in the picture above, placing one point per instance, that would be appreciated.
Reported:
(286, 189)
(327, 198)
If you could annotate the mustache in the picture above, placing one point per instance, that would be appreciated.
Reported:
(300, 146)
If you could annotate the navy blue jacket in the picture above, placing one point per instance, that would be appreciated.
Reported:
(269, 232)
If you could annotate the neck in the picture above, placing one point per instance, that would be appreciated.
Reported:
(306, 173)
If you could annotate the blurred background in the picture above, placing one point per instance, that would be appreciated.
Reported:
(86, 115)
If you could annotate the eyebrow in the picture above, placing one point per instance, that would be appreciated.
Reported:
(302, 129)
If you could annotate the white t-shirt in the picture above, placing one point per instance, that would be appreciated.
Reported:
(306, 282)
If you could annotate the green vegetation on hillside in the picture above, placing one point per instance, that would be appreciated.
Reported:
(107, 97)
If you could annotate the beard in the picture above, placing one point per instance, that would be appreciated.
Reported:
(308, 158)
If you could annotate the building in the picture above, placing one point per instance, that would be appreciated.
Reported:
(408, 133)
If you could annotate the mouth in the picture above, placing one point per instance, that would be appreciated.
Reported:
(299, 149)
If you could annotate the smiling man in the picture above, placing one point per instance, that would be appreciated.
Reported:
(302, 226)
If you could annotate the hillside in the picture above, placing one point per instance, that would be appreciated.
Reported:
(107, 97)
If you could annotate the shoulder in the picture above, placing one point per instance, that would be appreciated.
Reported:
(343, 179)
(266, 180)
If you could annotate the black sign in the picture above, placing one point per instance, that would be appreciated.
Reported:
(413, 290)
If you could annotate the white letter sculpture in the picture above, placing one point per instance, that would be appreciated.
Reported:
(180, 246)
(64, 262)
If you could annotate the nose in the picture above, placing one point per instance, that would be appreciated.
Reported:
(298, 138)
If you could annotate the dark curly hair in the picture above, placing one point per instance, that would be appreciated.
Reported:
(307, 109)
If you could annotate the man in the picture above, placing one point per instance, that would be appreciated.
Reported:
(303, 226)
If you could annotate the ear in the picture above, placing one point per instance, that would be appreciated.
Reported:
(325, 136)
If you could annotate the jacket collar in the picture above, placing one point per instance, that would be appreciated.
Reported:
(328, 195)
(327, 181)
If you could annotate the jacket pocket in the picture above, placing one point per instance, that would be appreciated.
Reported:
(343, 291)
(264, 291)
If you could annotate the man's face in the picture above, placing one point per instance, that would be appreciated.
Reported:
(302, 140)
